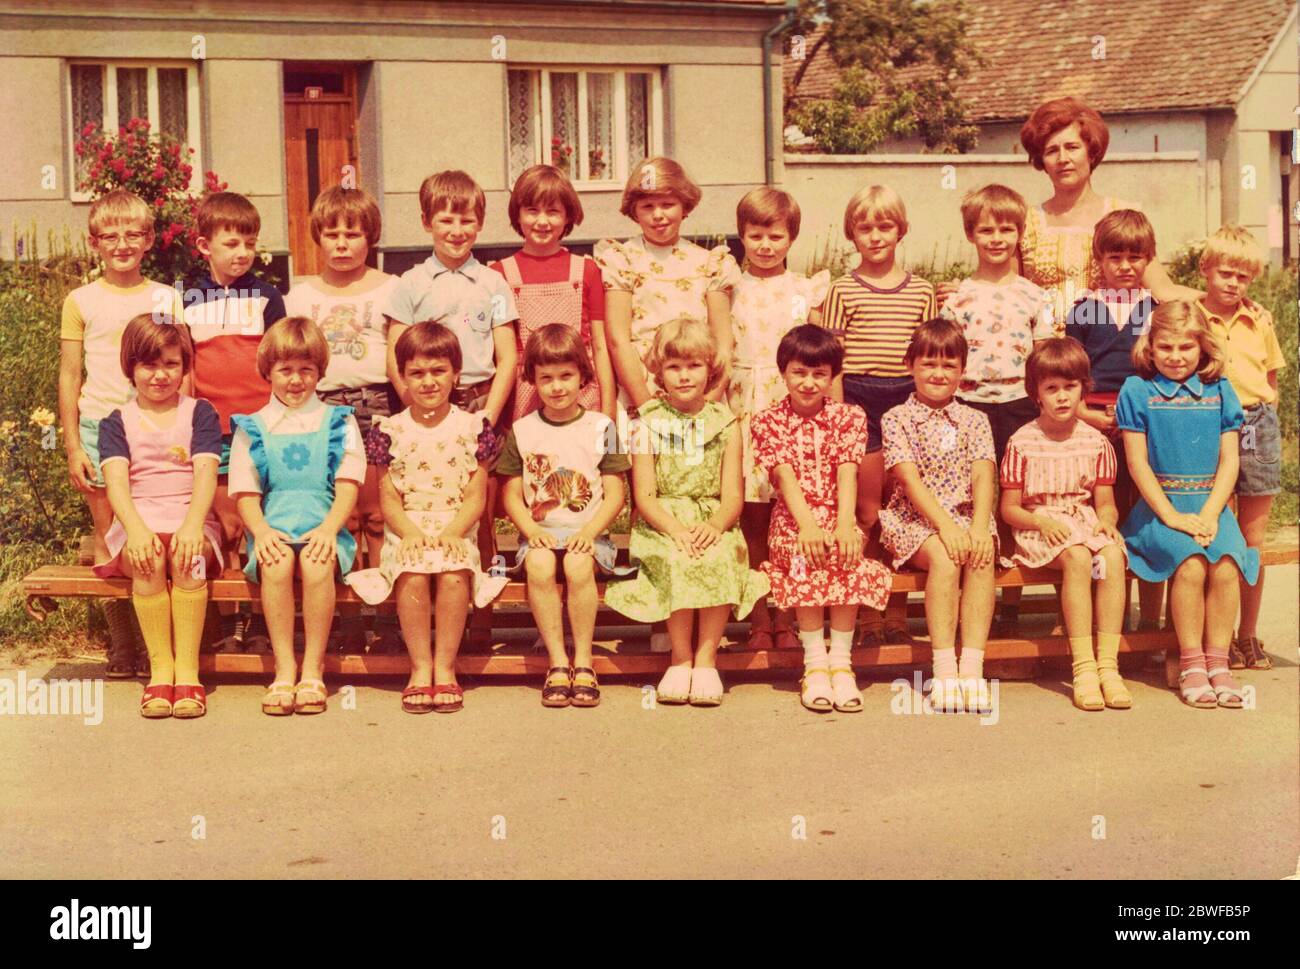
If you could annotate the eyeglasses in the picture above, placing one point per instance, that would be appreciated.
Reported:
(113, 238)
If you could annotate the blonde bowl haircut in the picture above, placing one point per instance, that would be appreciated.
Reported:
(1179, 316)
(292, 338)
(116, 208)
(876, 201)
(685, 339)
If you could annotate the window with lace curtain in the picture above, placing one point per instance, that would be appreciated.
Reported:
(594, 124)
(111, 94)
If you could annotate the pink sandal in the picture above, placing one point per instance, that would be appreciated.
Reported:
(451, 689)
(159, 691)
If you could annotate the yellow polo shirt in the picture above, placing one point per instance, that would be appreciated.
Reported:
(1253, 351)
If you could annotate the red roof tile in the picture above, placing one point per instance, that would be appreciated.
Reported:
(1159, 54)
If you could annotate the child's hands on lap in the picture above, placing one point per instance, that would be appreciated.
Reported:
(1209, 528)
(580, 542)
(847, 542)
(812, 545)
(319, 545)
(681, 537)
(452, 546)
(141, 550)
(956, 542)
(542, 539)
(187, 545)
(981, 548)
(1193, 525)
(271, 546)
(412, 547)
(703, 536)
(1110, 531)
(1053, 532)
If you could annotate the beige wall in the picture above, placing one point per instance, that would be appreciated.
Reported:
(1169, 187)
(419, 51)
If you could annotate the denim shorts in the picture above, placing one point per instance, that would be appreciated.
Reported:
(606, 556)
(1261, 453)
(88, 430)
(875, 395)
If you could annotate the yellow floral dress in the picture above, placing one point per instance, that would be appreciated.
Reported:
(665, 282)
(430, 467)
(763, 311)
(1059, 259)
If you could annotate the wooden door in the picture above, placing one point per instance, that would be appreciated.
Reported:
(320, 140)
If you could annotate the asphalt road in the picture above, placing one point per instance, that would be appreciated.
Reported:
(757, 787)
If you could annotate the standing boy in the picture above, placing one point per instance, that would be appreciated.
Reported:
(227, 312)
(94, 317)
(1231, 261)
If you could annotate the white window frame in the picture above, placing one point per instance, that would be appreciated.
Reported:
(110, 122)
(541, 83)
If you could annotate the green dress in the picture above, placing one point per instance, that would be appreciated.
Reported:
(688, 453)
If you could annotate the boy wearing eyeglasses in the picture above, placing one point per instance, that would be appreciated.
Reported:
(94, 316)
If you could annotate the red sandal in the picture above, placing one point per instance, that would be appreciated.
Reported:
(411, 691)
(451, 689)
(158, 691)
(191, 693)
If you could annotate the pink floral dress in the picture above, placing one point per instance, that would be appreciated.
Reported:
(1057, 479)
(943, 443)
(814, 447)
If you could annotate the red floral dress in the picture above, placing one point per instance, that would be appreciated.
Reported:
(814, 447)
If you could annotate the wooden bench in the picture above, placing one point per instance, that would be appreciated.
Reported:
(1015, 658)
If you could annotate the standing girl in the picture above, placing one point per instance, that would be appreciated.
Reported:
(811, 446)
(295, 467)
(686, 478)
(659, 276)
(564, 489)
(159, 456)
(433, 495)
(347, 302)
(939, 518)
(1058, 495)
(770, 302)
(1180, 419)
(552, 285)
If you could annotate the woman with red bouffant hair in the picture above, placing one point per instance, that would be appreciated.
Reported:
(1068, 140)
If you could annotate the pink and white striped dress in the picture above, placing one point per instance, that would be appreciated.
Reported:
(1057, 478)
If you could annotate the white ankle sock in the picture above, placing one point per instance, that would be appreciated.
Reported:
(814, 649)
(945, 664)
(841, 652)
(972, 664)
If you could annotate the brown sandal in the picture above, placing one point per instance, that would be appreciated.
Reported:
(586, 694)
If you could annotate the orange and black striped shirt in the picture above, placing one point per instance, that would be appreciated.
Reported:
(876, 324)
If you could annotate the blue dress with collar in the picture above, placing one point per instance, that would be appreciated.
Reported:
(1182, 423)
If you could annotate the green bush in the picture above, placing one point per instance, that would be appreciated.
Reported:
(37, 501)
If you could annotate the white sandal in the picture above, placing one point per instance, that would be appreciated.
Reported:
(946, 696)
(815, 690)
(844, 689)
(675, 687)
(706, 687)
(1229, 693)
(975, 695)
(1196, 696)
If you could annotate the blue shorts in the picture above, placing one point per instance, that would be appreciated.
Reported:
(1261, 453)
(876, 395)
(89, 432)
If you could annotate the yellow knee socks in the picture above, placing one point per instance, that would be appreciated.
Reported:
(1087, 690)
(1112, 684)
(189, 607)
(155, 615)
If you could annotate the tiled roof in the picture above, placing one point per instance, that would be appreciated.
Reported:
(1159, 54)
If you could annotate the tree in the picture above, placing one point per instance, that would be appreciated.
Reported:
(899, 62)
